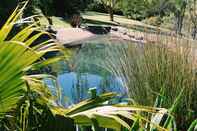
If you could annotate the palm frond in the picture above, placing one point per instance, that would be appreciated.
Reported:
(16, 57)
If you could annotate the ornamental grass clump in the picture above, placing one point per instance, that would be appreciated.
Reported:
(160, 72)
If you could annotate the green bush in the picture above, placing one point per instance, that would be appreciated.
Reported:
(134, 9)
(97, 6)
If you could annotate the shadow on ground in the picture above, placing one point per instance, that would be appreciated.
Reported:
(97, 22)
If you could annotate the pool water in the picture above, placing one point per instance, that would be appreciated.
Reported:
(85, 70)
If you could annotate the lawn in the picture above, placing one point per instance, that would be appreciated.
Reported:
(102, 19)
(96, 18)
(58, 22)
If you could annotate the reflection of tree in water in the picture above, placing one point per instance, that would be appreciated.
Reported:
(105, 84)
(109, 83)
(88, 59)
(80, 88)
(81, 85)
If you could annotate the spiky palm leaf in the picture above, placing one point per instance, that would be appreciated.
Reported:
(93, 112)
(115, 117)
(16, 56)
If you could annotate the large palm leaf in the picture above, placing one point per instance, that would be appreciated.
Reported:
(16, 56)
(115, 117)
(93, 112)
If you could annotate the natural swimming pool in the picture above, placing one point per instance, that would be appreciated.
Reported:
(85, 70)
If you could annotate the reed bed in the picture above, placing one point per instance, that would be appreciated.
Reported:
(164, 68)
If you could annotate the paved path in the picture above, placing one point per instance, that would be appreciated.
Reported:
(70, 35)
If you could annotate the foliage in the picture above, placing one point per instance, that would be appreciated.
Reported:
(97, 6)
(110, 6)
(67, 8)
(141, 9)
(193, 126)
(193, 16)
(163, 70)
(134, 9)
(93, 112)
(6, 8)
(179, 10)
(18, 54)
(46, 7)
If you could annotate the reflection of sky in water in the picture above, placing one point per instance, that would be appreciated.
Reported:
(75, 86)
(69, 81)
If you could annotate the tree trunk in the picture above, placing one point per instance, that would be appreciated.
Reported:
(180, 14)
(194, 32)
(111, 13)
(50, 21)
(193, 16)
(179, 24)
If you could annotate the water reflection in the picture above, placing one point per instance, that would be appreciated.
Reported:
(85, 70)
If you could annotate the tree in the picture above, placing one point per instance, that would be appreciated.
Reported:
(134, 9)
(157, 7)
(141, 9)
(179, 8)
(62, 7)
(67, 8)
(110, 6)
(193, 16)
(47, 9)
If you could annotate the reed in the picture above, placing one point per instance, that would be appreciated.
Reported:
(164, 67)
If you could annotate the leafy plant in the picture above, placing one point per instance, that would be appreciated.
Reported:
(18, 54)
(93, 112)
